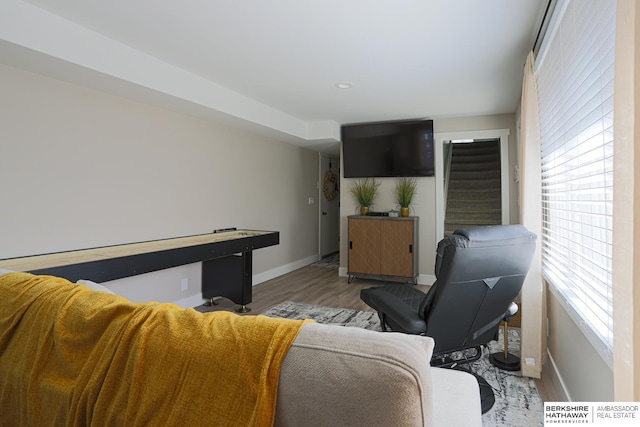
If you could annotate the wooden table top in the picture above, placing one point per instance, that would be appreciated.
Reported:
(39, 262)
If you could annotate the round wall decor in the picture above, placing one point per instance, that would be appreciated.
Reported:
(330, 185)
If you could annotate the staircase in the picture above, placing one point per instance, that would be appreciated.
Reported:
(474, 190)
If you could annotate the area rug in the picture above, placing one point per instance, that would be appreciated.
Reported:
(517, 400)
(331, 261)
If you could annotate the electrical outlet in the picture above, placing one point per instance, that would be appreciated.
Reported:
(184, 285)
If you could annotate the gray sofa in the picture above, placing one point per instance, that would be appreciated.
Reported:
(336, 375)
(340, 376)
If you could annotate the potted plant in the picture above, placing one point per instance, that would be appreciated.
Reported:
(405, 190)
(364, 191)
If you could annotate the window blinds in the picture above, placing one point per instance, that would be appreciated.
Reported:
(574, 74)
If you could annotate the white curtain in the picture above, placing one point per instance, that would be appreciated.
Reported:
(533, 340)
(626, 214)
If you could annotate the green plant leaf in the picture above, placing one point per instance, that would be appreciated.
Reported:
(364, 191)
(405, 191)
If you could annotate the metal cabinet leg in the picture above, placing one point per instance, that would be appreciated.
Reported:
(243, 309)
(210, 302)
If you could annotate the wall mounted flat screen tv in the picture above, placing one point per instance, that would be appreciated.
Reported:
(388, 149)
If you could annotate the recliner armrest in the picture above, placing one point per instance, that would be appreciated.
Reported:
(404, 317)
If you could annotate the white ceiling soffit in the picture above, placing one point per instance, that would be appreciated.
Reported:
(272, 65)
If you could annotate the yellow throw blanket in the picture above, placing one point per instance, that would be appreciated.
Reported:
(73, 356)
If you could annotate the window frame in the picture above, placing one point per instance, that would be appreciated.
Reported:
(562, 281)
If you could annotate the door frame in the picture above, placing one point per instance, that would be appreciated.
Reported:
(336, 160)
(440, 137)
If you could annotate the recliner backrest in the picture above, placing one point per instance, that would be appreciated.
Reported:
(479, 272)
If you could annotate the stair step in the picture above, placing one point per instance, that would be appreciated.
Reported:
(450, 225)
(461, 185)
(465, 202)
(474, 219)
(464, 199)
(473, 184)
(470, 199)
(474, 174)
(471, 166)
(475, 209)
(476, 145)
(476, 148)
(474, 192)
(479, 143)
(474, 158)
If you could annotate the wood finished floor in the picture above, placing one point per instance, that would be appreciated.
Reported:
(323, 286)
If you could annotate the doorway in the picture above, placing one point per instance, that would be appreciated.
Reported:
(329, 196)
(442, 141)
(472, 193)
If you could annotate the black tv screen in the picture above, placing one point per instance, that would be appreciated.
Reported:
(388, 149)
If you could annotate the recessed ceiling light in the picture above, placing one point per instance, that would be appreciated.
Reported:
(344, 85)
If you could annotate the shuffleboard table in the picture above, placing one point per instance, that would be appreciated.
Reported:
(226, 257)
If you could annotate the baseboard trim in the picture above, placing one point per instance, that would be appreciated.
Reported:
(556, 378)
(196, 300)
(426, 279)
(190, 302)
(284, 269)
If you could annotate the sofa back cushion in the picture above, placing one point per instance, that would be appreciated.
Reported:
(337, 375)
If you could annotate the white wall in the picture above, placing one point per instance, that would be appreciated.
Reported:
(425, 201)
(80, 168)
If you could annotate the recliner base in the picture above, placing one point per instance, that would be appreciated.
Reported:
(510, 363)
(487, 397)
(446, 361)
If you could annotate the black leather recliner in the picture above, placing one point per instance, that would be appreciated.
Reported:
(479, 272)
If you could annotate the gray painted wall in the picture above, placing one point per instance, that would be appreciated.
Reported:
(584, 375)
(80, 168)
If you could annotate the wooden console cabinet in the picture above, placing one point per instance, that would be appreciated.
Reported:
(383, 246)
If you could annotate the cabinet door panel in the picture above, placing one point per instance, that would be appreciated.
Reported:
(397, 248)
(364, 245)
